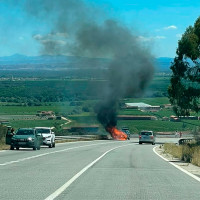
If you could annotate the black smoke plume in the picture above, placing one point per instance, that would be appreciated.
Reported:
(77, 28)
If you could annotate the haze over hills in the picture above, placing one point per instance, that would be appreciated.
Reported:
(164, 63)
(18, 61)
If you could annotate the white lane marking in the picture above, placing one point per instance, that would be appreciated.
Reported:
(44, 154)
(178, 167)
(68, 183)
(57, 144)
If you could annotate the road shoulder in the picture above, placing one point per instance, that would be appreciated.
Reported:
(188, 167)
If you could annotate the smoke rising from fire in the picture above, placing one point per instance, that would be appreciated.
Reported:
(77, 28)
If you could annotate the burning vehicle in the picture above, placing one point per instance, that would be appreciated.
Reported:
(117, 134)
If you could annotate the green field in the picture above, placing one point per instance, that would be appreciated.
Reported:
(76, 98)
(34, 123)
(32, 110)
(136, 126)
(17, 120)
(154, 101)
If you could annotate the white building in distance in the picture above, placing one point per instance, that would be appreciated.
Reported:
(142, 106)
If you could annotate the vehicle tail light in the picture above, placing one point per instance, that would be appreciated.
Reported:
(140, 136)
(151, 137)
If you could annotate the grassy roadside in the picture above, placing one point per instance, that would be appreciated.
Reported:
(187, 153)
(3, 146)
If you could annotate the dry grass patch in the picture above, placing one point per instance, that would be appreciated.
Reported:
(173, 149)
(188, 153)
(3, 146)
(196, 156)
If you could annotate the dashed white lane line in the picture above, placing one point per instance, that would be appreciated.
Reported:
(45, 154)
(68, 183)
(178, 167)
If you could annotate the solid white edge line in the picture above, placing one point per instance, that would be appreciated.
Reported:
(178, 167)
(68, 183)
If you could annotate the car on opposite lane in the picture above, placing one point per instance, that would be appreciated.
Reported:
(47, 135)
(26, 137)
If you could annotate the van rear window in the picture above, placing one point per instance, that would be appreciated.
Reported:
(146, 133)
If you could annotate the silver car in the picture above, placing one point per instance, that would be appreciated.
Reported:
(147, 137)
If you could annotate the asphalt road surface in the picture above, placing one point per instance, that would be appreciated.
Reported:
(103, 170)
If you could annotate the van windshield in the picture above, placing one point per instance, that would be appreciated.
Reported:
(42, 130)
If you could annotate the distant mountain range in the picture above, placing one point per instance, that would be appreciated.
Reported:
(162, 63)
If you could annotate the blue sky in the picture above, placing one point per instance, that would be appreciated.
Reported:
(158, 23)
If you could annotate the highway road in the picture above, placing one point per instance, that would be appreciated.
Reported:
(96, 170)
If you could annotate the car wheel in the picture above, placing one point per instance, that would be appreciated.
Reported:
(140, 142)
(50, 146)
(38, 148)
(54, 144)
(34, 148)
(12, 147)
(153, 143)
(17, 148)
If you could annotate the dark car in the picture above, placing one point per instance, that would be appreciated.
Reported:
(26, 137)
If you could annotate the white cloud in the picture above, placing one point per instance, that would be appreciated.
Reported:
(38, 37)
(144, 39)
(148, 39)
(170, 27)
(159, 37)
(61, 34)
(179, 35)
(21, 38)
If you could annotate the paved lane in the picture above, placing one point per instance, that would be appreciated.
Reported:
(26, 174)
(8, 156)
(133, 172)
(130, 172)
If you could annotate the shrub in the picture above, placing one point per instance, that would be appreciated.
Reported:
(3, 130)
(196, 134)
(196, 157)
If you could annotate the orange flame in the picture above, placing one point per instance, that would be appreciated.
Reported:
(117, 134)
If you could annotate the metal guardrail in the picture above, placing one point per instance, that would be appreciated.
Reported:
(185, 141)
(74, 137)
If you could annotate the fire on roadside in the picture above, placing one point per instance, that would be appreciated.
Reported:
(117, 134)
